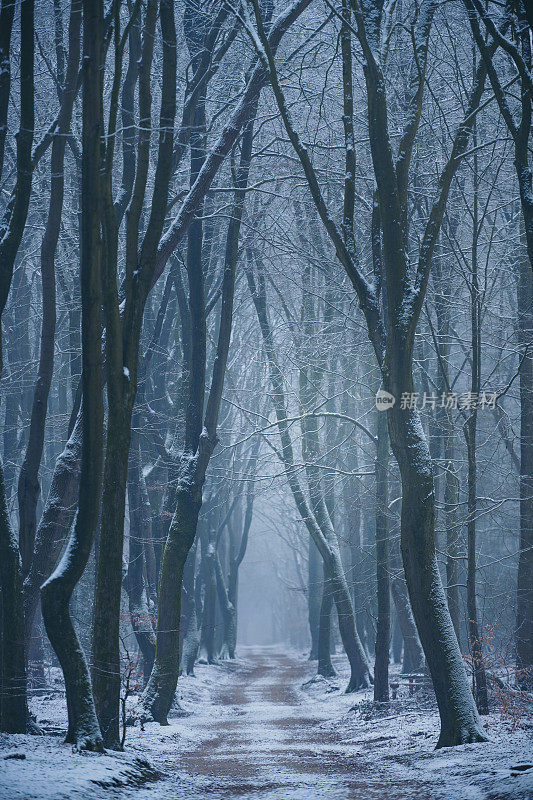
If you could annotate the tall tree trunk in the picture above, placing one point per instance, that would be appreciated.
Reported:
(479, 679)
(447, 433)
(191, 638)
(413, 655)
(236, 559)
(208, 567)
(13, 707)
(313, 597)
(122, 341)
(524, 616)
(29, 487)
(227, 608)
(381, 669)
(459, 719)
(325, 667)
(451, 502)
(83, 729)
(353, 518)
(140, 521)
(470, 429)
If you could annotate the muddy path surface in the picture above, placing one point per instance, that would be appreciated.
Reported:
(265, 739)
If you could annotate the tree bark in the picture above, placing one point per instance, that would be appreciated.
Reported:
(189, 616)
(459, 719)
(470, 429)
(313, 597)
(524, 616)
(83, 730)
(122, 341)
(208, 567)
(29, 487)
(13, 707)
(7, 14)
(381, 668)
(56, 520)
(451, 501)
(325, 667)
(229, 615)
(140, 522)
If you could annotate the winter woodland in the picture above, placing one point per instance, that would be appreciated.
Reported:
(266, 399)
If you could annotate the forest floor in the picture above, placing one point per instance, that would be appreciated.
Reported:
(264, 728)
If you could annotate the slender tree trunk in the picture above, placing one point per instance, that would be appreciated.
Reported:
(237, 559)
(313, 597)
(397, 639)
(134, 582)
(381, 669)
(29, 487)
(446, 431)
(191, 638)
(479, 679)
(13, 706)
(451, 501)
(325, 667)
(228, 610)
(524, 616)
(470, 429)
(354, 522)
(83, 730)
(208, 567)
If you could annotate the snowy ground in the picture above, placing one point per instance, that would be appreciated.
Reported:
(260, 728)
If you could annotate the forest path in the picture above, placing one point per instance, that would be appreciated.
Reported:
(266, 739)
(264, 727)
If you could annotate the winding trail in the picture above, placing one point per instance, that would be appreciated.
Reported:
(264, 739)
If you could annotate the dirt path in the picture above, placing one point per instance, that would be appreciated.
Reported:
(260, 729)
(264, 740)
